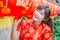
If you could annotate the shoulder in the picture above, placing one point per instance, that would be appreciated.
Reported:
(46, 27)
(24, 22)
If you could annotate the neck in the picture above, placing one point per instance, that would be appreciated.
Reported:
(36, 23)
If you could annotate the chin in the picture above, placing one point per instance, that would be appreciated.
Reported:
(35, 19)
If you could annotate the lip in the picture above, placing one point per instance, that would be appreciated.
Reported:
(34, 18)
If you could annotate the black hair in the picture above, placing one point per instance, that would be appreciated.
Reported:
(47, 20)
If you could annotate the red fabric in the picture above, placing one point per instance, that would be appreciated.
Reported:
(28, 31)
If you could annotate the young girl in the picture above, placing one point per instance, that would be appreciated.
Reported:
(39, 28)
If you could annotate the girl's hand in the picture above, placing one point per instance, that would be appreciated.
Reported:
(15, 33)
(16, 22)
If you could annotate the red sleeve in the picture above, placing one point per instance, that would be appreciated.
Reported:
(21, 25)
(47, 34)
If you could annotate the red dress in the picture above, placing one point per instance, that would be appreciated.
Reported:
(28, 31)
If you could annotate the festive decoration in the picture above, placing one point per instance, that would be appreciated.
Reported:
(1, 4)
(6, 22)
(23, 3)
(5, 10)
(25, 7)
(24, 18)
(54, 8)
(57, 28)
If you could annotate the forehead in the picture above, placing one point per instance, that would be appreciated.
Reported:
(42, 10)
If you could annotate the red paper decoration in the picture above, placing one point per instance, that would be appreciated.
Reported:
(26, 8)
(5, 10)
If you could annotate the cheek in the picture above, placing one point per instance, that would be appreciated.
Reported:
(38, 16)
(41, 16)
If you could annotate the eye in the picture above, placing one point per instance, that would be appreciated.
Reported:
(38, 10)
(41, 13)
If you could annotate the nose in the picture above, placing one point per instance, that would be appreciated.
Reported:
(36, 13)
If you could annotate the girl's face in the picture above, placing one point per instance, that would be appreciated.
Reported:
(38, 15)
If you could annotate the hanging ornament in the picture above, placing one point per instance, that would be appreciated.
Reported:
(6, 10)
(23, 12)
(28, 5)
(23, 3)
(33, 4)
(36, 5)
(1, 4)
